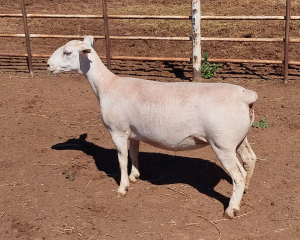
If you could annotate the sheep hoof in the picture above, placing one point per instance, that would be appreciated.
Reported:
(230, 213)
(133, 178)
(121, 192)
(246, 188)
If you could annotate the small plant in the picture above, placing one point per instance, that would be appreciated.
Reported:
(262, 123)
(208, 69)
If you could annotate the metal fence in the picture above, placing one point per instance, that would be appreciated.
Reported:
(195, 37)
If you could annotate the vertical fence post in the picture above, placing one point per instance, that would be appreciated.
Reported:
(286, 40)
(29, 57)
(196, 37)
(106, 34)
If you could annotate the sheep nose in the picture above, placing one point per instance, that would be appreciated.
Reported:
(48, 67)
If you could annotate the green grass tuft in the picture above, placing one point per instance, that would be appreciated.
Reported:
(262, 123)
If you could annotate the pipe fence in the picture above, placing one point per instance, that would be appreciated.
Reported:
(195, 37)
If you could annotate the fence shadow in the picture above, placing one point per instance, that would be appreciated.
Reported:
(178, 71)
(156, 168)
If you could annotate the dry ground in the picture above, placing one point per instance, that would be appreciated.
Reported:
(59, 170)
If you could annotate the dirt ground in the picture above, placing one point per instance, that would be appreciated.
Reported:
(59, 170)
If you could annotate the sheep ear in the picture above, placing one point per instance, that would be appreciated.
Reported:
(85, 48)
(90, 40)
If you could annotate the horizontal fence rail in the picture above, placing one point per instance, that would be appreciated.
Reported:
(107, 37)
(22, 35)
(165, 59)
(169, 17)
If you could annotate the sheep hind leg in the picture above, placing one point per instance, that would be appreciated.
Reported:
(121, 145)
(249, 159)
(232, 165)
(134, 152)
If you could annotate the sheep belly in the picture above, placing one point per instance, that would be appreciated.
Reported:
(175, 144)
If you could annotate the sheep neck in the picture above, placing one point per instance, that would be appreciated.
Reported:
(99, 77)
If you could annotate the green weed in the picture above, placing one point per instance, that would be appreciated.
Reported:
(262, 123)
(208, 69)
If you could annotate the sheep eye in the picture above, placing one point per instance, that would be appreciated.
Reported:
(67, 53)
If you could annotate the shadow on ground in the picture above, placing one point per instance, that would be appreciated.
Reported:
(156, 168)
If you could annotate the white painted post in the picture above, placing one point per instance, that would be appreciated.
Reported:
(196, 37)
(286, 40)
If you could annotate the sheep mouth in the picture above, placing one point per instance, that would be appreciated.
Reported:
(53, 72)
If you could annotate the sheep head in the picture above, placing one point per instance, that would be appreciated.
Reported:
(73, 56)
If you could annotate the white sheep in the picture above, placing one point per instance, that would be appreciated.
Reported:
(172, 116)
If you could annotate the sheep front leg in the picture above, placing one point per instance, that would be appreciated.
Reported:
(121, 145)
(134, 152)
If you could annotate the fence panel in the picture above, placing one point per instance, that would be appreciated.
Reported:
(196, 47)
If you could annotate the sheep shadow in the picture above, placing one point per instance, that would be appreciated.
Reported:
(156, 168)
